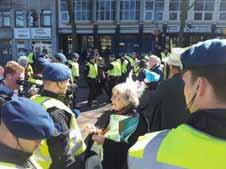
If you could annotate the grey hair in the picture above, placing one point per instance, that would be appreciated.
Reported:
(128, 92)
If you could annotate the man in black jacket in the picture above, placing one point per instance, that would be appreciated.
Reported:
(165, 107)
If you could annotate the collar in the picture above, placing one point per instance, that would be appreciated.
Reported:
(127, 110)
(6, 90)
(210, 121)
(52, 95)
(10, 155)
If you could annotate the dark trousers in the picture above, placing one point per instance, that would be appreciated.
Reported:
(111, 83)
(92, 83)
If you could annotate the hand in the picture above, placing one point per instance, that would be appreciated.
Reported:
(90, 128)
(99, 139)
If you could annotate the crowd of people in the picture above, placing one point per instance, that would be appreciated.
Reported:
(167, 113)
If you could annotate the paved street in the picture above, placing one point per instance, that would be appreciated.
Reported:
(90, 114)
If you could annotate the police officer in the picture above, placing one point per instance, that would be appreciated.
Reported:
(59, 151)
(74, 66)
(23, 125)
(201, 141)
(60, 58)
(114, 73)
(13, 73)
(91, 75)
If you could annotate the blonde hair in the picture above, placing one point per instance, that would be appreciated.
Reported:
(128, 92)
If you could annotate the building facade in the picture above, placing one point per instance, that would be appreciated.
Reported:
(132, 25)
(26, 25)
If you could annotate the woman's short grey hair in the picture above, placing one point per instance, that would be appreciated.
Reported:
(128, 92)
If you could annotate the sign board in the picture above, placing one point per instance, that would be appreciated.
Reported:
(41, 33)
(21, 33)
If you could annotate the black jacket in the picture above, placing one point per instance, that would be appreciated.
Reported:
(13, 156)
(59, 146)
(165, 108)
(115, 153)
(210, 121)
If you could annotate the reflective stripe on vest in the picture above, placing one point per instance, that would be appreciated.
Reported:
(4, 165)
(74, 68)
(116, 71)
(76, 144)
(93, 71)
(183, 147)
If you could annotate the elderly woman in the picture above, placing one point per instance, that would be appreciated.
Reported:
(121, 129)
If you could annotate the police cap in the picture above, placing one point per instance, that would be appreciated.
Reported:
(56, 72)
(207, 53)
(26, 119)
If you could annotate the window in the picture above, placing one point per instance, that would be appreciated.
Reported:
(154, 9)
(83, 10)
(105, 9)
(20, 18)
(149, 9)
(129, 9)
(64, 11)
(203, 9)
(159, 8)
(4, 19)
(33, 19)
(175, 9)
(222, 10)
(46, 18)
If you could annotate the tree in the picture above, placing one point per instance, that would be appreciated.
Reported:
(72, 22)
(184, 8)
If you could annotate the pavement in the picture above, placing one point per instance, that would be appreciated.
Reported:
(90, 115)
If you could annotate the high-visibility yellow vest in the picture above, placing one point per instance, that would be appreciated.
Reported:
(124, 66)
(76, 145)
(131, 60)
(183, 147)
(116, 71)
(93, 70)
(30, 71)
(74, 68)
(137, 70)
(30, 57)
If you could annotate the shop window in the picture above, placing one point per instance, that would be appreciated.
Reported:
(46, 18)
(20, 18)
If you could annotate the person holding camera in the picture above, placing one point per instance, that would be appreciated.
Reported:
(13, 74)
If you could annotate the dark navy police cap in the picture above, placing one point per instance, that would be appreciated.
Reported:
(60, 57)
(207, 53)
(26, 119)
(56, 72)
